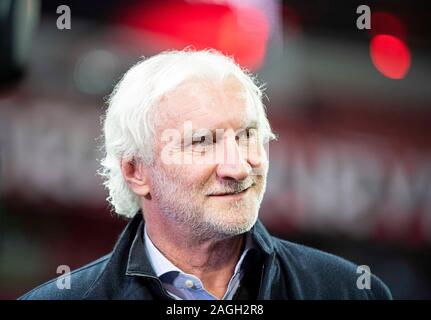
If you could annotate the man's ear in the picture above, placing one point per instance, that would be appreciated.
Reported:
(136, 175)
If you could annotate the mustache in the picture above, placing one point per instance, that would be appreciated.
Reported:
(228, 187)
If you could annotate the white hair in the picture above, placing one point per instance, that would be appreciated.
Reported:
(128, 126)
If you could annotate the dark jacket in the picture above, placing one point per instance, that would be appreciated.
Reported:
(288, 271)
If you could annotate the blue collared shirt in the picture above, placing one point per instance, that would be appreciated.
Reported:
(184, 286)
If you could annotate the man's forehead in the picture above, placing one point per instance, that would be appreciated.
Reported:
(206, 103)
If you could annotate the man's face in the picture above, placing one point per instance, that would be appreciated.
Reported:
(210, 164)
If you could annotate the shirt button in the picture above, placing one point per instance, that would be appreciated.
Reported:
(189, 283)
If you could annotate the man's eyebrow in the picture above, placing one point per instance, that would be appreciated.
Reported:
(252, 124)
(203, 131)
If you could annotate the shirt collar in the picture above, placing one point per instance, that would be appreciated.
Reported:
(159, 262)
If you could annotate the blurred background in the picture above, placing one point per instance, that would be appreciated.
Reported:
(350, 174)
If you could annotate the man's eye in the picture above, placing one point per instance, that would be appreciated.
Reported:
(203, 141)
(251, 133)
(247, 134)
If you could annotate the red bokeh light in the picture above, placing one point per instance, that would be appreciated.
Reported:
(390, 56)
(238, 31)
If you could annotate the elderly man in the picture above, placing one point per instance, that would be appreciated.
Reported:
(186, 160)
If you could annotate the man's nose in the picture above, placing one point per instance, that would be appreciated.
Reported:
(233, 165)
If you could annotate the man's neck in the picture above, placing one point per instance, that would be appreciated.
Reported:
(213, 260)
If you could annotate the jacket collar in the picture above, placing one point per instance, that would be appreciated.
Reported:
(262, 238)
(138, 262)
